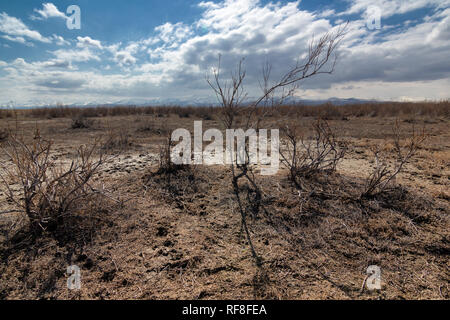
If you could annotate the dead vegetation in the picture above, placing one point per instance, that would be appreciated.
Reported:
(321, 59)
(383, 174)
(307, 155)
(327, 111)
(117, 142)
(184, 239)
(4, 134)
(80, 122)
(176, 183)
(48, 192)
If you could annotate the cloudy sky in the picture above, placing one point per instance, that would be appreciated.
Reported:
(160, 50)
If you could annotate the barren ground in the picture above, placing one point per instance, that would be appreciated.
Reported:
(182, 239)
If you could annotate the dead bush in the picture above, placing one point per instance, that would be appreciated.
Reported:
(146, 126)
(4, 134)
(150, 126)
(177, 183)
(81, 122)
(384, 174)
(49, 192)
(117, 142)
(6, 113)
(166, 166)
(165, 163)
(234, 111)
(304, 155)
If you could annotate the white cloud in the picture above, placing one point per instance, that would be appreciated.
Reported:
(88, 42)
(384, 90)
(17, 39)
(16, 30)
(125, 58)
(38, 67)
(327, 13)
(49, 10)
(236, 29)
(113, 48)
(75, 55)
(170, 33)
(441, 30)
(60, 40)
(392, 7)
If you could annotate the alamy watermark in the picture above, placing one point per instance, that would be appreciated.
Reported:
(73, 17)
(373, 18)
(373, 280)
(74, 280)
(242, 147)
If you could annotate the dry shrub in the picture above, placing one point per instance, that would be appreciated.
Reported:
(304, 156)
(368, 109)
(184, 113)
(117, 142)
(49, 192)
(81, 122)
(326, 110)
(165, 165)
(384, 174)
(146, 126)
(150, 126)
(4, 134)
(176, 183)
(6, 113)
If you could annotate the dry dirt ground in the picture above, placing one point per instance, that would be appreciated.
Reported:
(179, 236)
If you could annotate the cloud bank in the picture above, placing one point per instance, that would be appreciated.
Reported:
(406, 60)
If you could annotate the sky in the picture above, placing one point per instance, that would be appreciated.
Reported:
(142, 51)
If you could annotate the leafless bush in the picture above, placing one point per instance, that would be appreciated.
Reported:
(320, 59)
(49, 192)
(326, 111)
(384, 174)
(6, 113)
(80, 122)
(165, 165)
(150, 126)
(304, 156)
(117, 142)
(4, 134)
(146, 125)
(177, 183)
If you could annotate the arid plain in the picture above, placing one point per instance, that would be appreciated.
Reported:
(177, 234)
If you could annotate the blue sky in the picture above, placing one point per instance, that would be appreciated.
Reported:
(159, 51)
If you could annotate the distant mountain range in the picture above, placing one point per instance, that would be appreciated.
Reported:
(180, 102)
